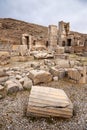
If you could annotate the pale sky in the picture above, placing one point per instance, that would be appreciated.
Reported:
(47, 12)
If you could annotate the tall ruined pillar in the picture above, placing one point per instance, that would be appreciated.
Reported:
(30, 42)
(52, 37)
(64, 31)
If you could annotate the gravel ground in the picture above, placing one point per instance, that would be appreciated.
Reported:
(13, 111)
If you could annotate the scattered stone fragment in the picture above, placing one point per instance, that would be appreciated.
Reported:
(4, 58)
(55, 78)
(46, 102)
(13, 86)
(59, 72)
(78, 74)
(40, 76)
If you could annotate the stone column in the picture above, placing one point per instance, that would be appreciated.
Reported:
(64, 31)
(52, 37)
(30, 42)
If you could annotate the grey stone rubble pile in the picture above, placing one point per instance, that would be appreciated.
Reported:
(20, 78)
(13, 80)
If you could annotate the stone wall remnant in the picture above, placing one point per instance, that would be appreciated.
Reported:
(52, 37)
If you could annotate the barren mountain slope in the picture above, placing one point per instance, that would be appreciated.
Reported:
(11, 30)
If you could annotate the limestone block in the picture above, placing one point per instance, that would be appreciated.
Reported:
(23, 50)
(40, 76)
(74, 74)
(63, 63)
(60, 50)
(13, 86)
(78, 74)
(43, 55)
(54, 71)
(4, 58)
(27, 83)
(49, 102)
(60, 72)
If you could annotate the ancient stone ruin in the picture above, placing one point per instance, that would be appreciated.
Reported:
(44, 67)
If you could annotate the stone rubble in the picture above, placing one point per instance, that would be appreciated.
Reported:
(23, 78)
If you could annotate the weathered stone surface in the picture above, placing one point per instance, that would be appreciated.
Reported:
(55, 78)
(60, 72)
(22, 58)
(44, 67)
(3, 73)
(65, 63)
(40, 76)
(49, 62)
(18, 77)
(60, 50)
(46, 102)
(4, 58)
(61, 56)
(13, 86)
(35, 65)
(62, 63)
(43, 55)
(78, 74)
(3, 79)
(27, 83)
(54, 71)
(22, 50)
(2, 93)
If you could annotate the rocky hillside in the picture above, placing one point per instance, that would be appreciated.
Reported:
(11, 30)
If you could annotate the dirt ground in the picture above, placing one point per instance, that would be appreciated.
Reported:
(13, 111)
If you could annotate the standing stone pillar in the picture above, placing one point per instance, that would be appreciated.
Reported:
(30, 42)
(52, 37)
(64, 31)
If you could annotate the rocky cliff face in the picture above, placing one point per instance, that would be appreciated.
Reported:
(11, 30)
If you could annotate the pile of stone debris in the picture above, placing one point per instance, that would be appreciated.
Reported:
(22, 78)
